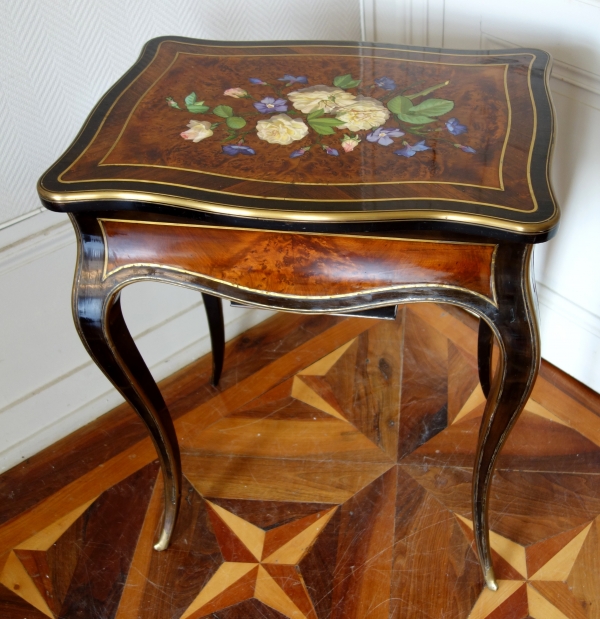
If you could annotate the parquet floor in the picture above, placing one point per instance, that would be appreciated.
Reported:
(327, 478)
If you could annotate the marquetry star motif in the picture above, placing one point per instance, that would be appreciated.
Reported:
(530, 577)
(259, 564)
(310, 387)
(27, 571)
(588, 425)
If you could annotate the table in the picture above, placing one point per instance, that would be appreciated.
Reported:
(316, 177)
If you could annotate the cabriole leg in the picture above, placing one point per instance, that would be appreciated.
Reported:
(99, 320)
(216, 326)
(485, 343)
(517, 332)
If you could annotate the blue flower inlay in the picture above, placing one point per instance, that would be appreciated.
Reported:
(383, 135)
(238, 149)
(409, 151)
(270, 104)
(290, 79)
(386, 83)
(299, 152)
(455, 127)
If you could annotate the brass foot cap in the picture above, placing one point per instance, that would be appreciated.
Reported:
(490, 579)
(163, 542)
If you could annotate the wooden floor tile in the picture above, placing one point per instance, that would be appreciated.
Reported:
(328, 477)
(83, 451)
(274, 479)
(433, 560)
(424, 403)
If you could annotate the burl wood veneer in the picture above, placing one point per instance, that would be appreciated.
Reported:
(490, 161)
(303, 265)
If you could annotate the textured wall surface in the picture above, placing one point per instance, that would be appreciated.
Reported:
(567, 266)
(57, 57)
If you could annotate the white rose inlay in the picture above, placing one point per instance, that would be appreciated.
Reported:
(198, 130)
(325, 98)
(363, 113)
(281, 129)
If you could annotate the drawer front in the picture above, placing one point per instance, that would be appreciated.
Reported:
(298, 264)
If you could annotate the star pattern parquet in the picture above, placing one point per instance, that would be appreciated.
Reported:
(332, 482)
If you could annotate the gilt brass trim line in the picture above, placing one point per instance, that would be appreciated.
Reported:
(101, 125)
(492, 275)
(486, 221)
(143, 196)
(552, 133)
(357, 45)
(281, 295)
(474, 308)
(257, 180)
(101, 163)
(534, 134)
(508, 128)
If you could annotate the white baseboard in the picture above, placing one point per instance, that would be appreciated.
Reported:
(570, 337)
(55, 410)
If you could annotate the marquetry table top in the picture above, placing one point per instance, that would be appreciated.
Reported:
(321, 132)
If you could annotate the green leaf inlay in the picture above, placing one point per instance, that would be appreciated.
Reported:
(399, 105)
(316, 113)
(224, 111)
(325, 126)
(416, 119)
(432, 107)
(198, 108)
(235, 122)
(422, 93)
(346, 81)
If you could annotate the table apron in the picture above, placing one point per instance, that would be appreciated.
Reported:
(296, 270)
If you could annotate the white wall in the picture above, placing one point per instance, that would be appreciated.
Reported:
(567, 268)
(57, 57)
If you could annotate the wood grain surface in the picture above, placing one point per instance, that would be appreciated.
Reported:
(345, 492)
(305, 265)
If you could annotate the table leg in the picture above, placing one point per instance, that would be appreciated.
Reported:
(99, 321)
(516, 329)
(485, 343)
(214, 313)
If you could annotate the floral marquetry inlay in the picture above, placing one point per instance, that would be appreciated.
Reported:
(381, 113)
(308, 109)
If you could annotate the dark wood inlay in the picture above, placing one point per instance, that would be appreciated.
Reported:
(109, 536)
